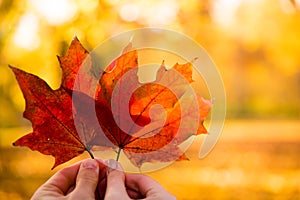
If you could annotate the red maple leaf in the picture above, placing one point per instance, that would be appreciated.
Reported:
(116, 111)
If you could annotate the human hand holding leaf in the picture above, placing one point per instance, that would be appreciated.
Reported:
(126, 118)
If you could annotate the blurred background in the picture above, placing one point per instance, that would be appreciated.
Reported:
(254, 43)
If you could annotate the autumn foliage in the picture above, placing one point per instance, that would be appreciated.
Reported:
(88, 111)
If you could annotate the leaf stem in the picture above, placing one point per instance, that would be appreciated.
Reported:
(91, 154)
(118, 154)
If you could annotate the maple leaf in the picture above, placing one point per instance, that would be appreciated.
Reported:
(51, 116)
(140, 144)
(50, 111)
(126, 116)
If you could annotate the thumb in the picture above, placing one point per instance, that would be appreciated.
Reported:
(87, 180)
(115, 188)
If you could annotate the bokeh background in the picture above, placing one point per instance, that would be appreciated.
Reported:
(254, 43)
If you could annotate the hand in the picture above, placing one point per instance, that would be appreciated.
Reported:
(132, 186)
(78, 181)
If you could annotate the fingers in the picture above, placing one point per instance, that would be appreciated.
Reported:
(64, 178)
(141, 183)
(147, 187)
(112, 182)
(102, 178)
(60, 183)
(87, 180)
(102, 169)
(133, 194)
(115, 189)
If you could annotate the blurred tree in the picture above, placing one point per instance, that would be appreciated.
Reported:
(257, 54)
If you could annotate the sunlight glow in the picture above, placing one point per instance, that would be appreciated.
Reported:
(87, 5)
(297, 3)
(26, 35)
(224, 11)
(152, 13)
(160, 13)
(56, 12)
(287, 6)
(129, 12)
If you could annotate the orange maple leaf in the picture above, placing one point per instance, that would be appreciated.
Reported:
(64, 127)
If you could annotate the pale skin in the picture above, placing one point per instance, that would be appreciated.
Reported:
(91, 179)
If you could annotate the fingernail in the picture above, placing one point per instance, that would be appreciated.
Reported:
(90, 164)
(112, 165)
(105, 162)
